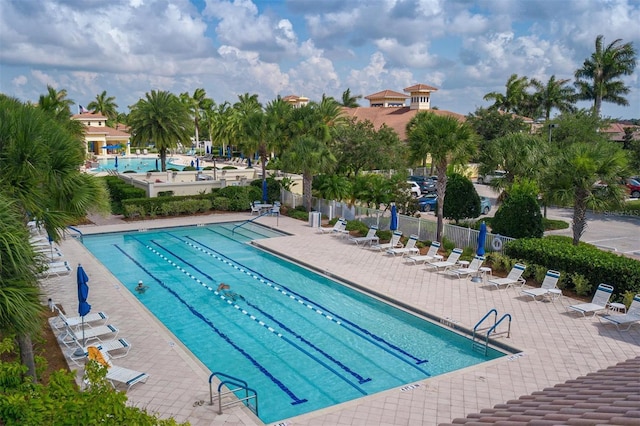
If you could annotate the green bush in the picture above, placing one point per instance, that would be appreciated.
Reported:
(461, 199)
(597, 266)
(273, 188)
(240, 197)
(518, 217)
(384, 235)
(359, 227)
(120, 191)
(297, 214)
(553, 224)
(189, 169)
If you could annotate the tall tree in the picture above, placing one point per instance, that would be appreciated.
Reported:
(105, 105)
(449, 141)
(39, 176)
(196, 104)
(515, 98)
(349, 101)
(584, 173)
(220, 121)
(554, 94)
(162, 119)
(56, 103)
(599, 78)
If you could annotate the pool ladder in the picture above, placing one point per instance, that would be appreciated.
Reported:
(477, 343)
(250, 220)
(226, 380)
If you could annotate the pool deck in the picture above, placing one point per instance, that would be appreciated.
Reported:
(554, 345)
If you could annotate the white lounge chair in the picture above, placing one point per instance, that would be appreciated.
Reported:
(451, 261)
(370, 238)
(395, 242)
(57, 271)
(341, 231)
(410, 248)
(63, 321)
(514, 277)
(120, 347)
(431, 255)
(632, 316)
(116, 374)
(598, 303)
(339, 225)
(549, 283)
(473, 268)
(71, 338)
(255, 209)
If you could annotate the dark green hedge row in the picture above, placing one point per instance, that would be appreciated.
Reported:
(598, 266)
(231, 198)
(119, 191)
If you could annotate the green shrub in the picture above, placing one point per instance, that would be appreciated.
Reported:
(189, 169)
(220, 203)
(119, 191)
(461, 199)
(553, 224)
(165, 194)
(359, 227)
(240, 197)
(384, 235)
(518, 217)
(447, 245)
(581, 284)
(297, 214)
(273, 188)
(597, 266)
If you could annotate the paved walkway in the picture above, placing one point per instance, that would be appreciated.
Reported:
(554, 345)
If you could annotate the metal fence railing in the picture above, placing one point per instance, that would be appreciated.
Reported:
(425, 229)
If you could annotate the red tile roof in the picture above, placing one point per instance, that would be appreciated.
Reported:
(89, 116)
(387, 94)
(420, 88)
(396, 118)
(104, 130)
(606, 397)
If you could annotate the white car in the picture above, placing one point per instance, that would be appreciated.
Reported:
(414, 188)
(486, 179)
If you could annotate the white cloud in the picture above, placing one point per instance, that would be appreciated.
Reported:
(20, 80)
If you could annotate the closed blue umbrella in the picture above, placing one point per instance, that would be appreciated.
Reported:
(192, 163)
(197, 164)
(83, 292)
(393, 225)
(482, 236)
(248, 162)
(116, 161)
(157, 168)
(264, 191)
(207, 149)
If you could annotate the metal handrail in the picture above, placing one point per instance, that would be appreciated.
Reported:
(76, 230)
(240, 384)
(250, 220)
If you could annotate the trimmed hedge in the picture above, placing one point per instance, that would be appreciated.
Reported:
(120, 191)
(598, 266)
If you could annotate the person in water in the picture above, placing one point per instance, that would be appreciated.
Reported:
(141, 288)
(225, 290)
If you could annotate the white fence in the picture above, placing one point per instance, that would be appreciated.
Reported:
(423, 228)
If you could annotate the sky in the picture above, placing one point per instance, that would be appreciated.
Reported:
(273, 48)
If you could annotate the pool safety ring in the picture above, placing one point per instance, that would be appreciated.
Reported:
(496, 244)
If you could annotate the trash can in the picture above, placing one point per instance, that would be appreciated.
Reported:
(315, 219)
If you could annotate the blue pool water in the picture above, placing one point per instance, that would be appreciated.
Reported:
(139, 164)
(303, 341)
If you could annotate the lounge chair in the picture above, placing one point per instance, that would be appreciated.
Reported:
(632, 316)
(395, 242)
(410, 248)
(116, 374)
(255, 209)
(341, 231)
(473, 268)
(370, 238)
(340, 224)
(550, 283)
(431, 255)
(57, 271)
(63, 321)
(120, 347)
(71, 338)
(514, 277)
(451, 261)
(598, 303)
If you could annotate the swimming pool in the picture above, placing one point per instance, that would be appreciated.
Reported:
(303, 341)
(139, 164)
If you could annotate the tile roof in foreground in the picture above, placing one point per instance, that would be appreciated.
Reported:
(606, 397)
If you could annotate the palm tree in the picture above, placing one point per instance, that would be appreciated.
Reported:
(196, 104)
(105, 105)
(56, 103)
(573, 172)
(555, 94)
(39, 176)
(220, 122)
(515, 97)
(448, 141)
(162, 119)
(349, 101)
(598, 79)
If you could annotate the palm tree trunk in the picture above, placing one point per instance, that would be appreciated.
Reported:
(307, 180)
(579, 222)
(26, 355)
(163, 159)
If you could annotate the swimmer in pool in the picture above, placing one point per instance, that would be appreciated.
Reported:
(141, 288)
(230, 294)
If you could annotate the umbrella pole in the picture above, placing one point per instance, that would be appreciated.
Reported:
(80, 351)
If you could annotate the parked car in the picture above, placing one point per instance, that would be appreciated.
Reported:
(487, 178)
(414, 188)
(633, 184)
(427, 184)
(485, 205)
(428, 202)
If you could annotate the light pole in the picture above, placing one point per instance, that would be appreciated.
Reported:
(551, 126)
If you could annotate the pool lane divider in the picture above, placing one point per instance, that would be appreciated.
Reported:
(377, 340)
(196, 313)
(360, 379)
